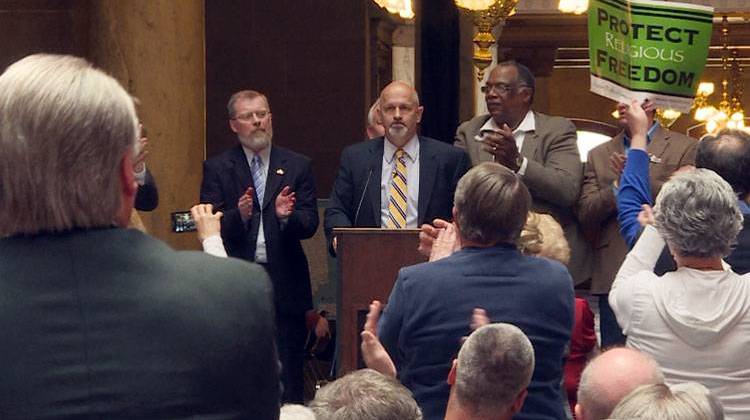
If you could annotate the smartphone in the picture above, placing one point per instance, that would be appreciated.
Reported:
(182, 221)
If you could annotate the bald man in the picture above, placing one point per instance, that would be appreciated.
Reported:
(399, 180)
(612, 376)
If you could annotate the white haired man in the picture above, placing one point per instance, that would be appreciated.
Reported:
(99, 321)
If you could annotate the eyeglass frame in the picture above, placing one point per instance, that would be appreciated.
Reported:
(248, 116)
(501, 88)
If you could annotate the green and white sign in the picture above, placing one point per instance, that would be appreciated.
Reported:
(647, 49)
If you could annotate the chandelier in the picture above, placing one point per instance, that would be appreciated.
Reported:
(487, 14)
(402, 8)
(573, 6)
(728, 113)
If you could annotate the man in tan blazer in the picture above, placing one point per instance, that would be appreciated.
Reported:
(597, 207)
(541, 148)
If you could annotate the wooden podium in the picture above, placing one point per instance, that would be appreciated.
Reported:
(368, 262)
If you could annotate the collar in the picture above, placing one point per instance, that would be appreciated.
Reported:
(265, 154)
(744, 207)
(649, 134)
(527, 124)
(411, 148)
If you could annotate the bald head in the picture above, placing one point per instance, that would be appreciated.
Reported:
(612, 376)
(399, 112)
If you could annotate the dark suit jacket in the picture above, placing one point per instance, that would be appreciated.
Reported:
(226, 177)
(440, 168)
(147, 197)
(553, 176)
(430, 307)
(111, 323)
(597, 207)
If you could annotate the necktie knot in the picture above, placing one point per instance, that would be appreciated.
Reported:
(400, 154)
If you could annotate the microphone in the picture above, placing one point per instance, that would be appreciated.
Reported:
(361, 199)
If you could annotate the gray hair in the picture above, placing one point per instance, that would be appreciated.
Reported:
(613, 375)
(494, 365)
(690, 400)
(371, 114)
(365, 395)
(244, 94)
(295, 412)
(491, 204)
(697, 214)
(64, 129)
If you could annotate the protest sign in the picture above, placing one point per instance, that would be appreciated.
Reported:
(647, 49)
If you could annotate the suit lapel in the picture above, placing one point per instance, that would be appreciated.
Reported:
(427, 176)
(276, 171)
(375, 165)
(659, 143)
(241, 169)
(531, 140)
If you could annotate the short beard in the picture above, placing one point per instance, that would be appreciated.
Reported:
(257, 141)
(398, 133)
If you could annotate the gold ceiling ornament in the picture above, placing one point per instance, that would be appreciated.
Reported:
(402, 8)
(667, 117)
(487, 14)
(576, 7)
(728, 113)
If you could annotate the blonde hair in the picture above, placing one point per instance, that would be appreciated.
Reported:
(64, 130)
(543, 236)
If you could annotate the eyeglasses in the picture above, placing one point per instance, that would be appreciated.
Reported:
(248, 116)
(501, 88)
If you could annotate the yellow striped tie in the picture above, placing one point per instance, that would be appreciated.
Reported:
(397, 204)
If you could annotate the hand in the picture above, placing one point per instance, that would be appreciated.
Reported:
(479, 318)
(335, 244)
(139, 163)
(617, 163)
(502, 145)
(322, 328)
(429, 234)
(245, 205)
(646, 216)
(446, 243)
(373, 352)
(637, 123)
(207, 222)
(285, 203)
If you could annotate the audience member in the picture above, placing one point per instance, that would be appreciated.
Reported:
(489, 378)
(100, 321)
(296, 412)
(427, 311)
(687, 401)
(542, 149)
(611, 376)
(597, 206)
(365, 395)
(267, 195)
(374, 126)
(694, 321)
(400, 181)
(147, 197)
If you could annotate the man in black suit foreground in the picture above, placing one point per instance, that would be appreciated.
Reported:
(99, 321)
(401, 180)
(267, 194)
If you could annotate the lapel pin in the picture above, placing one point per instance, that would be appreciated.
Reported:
(654, 158)
(279, 171)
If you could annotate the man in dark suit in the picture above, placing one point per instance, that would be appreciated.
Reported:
(100, 321)
(428, 309)
(597, 207)
(377, 188)
(541, 148)
(267, 195)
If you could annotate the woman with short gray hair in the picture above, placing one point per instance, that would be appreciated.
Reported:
(694, 321)
(687, 401)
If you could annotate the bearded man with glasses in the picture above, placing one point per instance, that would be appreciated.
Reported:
(541, 148)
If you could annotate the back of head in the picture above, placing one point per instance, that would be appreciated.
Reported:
(365, 395)
(688, 401)
(544, 237)
(495, 364)
(727, 154)
(698, 215)
(491, 204)
(64, 129)
(295, 412)
(610, 377)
